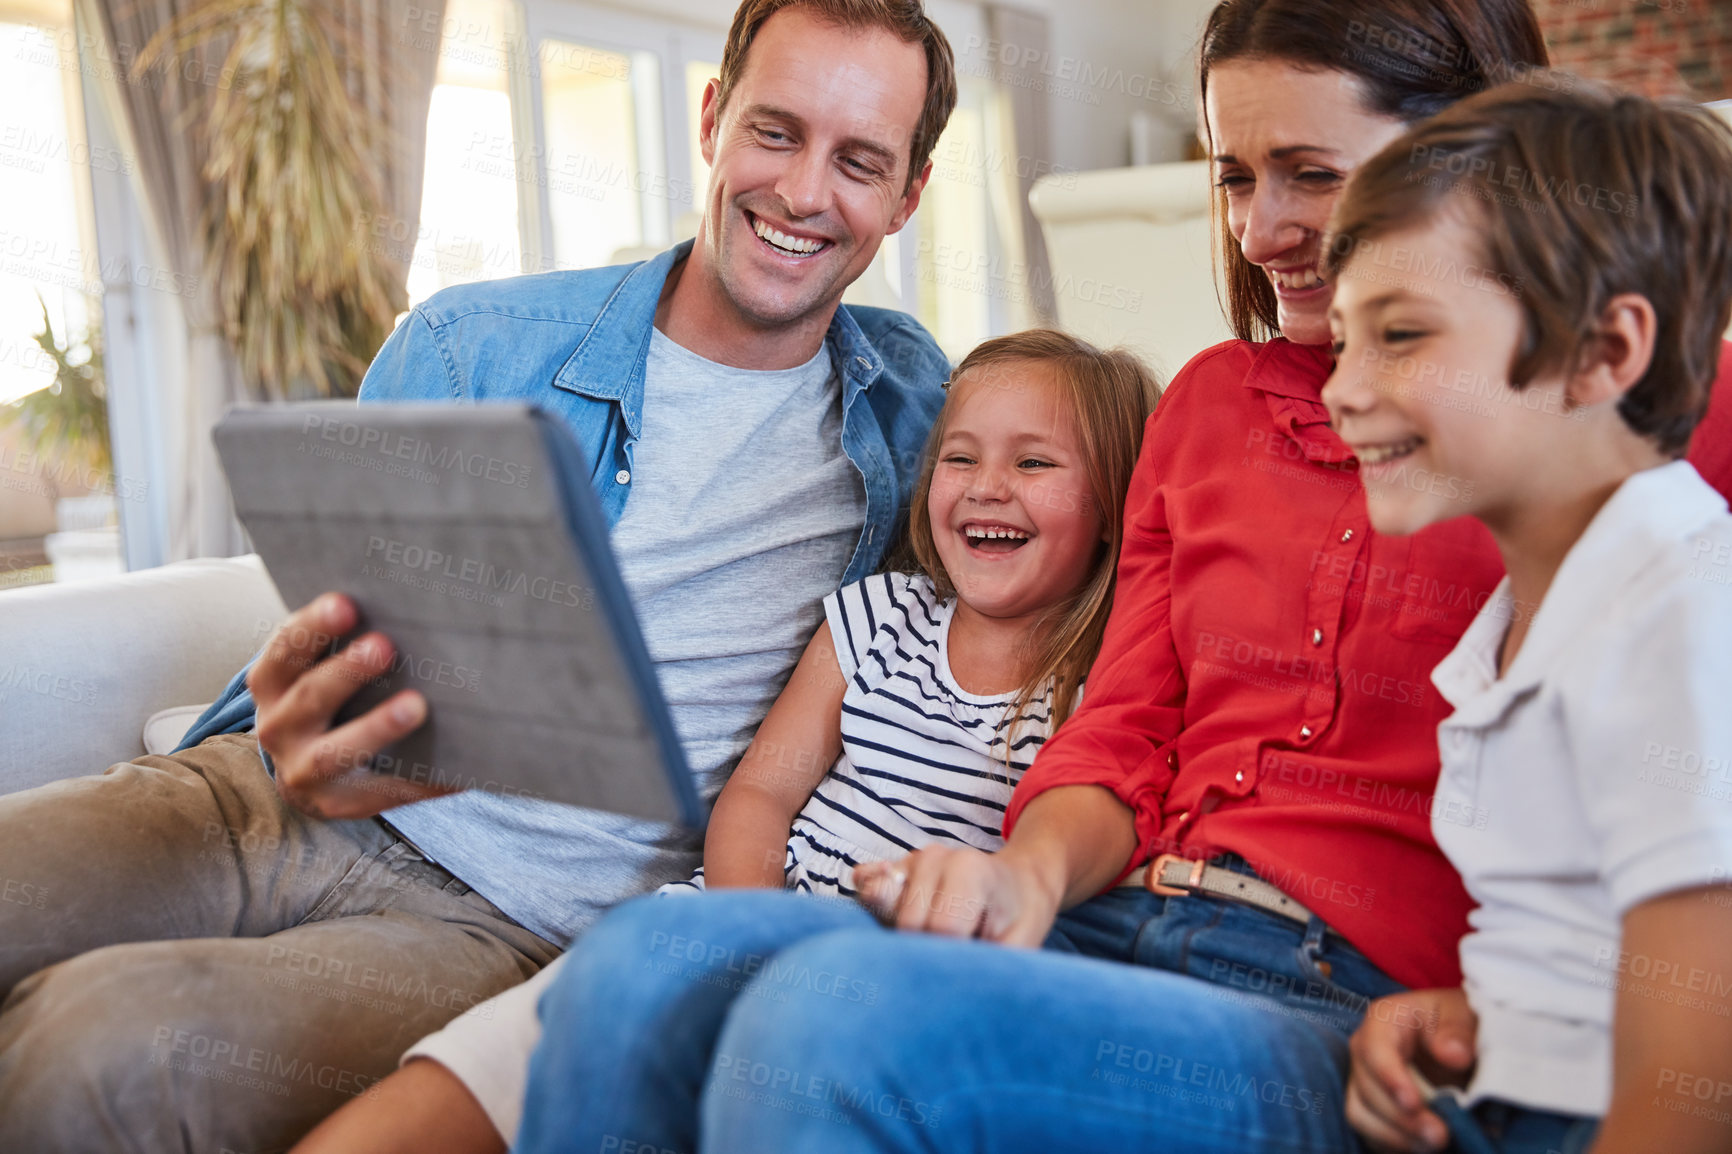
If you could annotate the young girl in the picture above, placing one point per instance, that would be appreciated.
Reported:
(917, 705)
(926, 693)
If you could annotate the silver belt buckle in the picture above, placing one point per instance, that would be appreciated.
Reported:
(1158, 868)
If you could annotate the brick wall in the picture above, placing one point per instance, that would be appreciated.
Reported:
(1659, 47)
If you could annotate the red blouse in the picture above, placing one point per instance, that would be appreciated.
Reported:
(1264, 684)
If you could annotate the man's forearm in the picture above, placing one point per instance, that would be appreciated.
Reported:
(1078, 838)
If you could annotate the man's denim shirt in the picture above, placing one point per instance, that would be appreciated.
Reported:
(576, 343)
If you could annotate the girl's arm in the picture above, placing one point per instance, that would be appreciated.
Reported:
(1672, 1031)
(794, 748)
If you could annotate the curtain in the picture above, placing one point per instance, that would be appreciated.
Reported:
(390, 68)
(1024, 90)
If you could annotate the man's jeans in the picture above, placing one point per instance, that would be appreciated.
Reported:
(770, 1023)
(189, 964)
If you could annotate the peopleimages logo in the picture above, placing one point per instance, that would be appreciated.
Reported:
(470, 574)
(414, 450)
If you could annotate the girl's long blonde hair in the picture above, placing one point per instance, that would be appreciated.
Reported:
(1109, 395)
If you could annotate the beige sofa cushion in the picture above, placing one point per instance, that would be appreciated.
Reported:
(85, 665)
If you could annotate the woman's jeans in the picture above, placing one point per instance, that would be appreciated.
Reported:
(763, 1022)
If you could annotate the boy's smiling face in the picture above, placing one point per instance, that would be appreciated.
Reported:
(1424, 339)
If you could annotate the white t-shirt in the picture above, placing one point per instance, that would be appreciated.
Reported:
(923, 761)
(1598, 774)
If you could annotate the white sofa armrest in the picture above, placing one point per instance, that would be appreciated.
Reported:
(85, 664)
(1133, 260)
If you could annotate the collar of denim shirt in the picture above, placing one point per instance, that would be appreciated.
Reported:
(609, 362)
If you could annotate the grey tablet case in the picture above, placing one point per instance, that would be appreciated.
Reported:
(468, 535)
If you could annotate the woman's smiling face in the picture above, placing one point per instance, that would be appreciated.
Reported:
(1285, 140)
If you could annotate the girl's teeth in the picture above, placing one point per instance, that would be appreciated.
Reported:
(783, 241)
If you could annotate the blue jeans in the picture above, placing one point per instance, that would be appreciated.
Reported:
(1500, 1128)
(762, 1022)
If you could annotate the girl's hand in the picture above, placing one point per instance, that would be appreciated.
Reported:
(964, 893)
(1433, 1030)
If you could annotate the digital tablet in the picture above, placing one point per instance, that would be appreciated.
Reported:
(469, 535)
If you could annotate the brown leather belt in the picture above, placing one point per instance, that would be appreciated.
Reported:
(1173, 876)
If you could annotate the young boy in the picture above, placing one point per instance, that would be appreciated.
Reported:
(1531, 293)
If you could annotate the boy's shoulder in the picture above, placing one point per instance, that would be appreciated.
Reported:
(1652, 574)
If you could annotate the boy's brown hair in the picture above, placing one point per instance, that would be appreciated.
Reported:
(1579, 196)
(904, 19)
(1109, 395)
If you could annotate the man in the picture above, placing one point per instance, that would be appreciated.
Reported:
(223, 967)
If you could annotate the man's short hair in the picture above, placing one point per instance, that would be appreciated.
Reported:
(1578, 195)
(904, 19)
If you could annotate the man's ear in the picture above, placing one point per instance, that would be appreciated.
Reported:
(910, 201)
(708, 114)
(1619, 352)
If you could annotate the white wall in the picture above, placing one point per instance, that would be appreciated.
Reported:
(1107, 60)
(1151, 45)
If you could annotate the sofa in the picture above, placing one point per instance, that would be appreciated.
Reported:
(1132, 258)
(87, 668)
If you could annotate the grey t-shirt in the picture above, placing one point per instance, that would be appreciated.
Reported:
(743, 513)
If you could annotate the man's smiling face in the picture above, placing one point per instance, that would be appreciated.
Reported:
(808, 164)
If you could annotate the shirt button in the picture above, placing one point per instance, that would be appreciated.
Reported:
(1239, 777)
(622, 476)
(1347, 535)
(1317, 637)
(863, 362)
(1183, 814)
(1304, 733)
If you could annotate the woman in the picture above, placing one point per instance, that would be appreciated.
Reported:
(1260, 724)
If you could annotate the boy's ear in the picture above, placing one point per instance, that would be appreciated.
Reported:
(1619, 353)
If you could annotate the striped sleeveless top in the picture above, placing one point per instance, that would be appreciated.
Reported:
(923, 760)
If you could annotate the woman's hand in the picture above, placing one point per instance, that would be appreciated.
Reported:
(1432, 1030)
(1003, 897)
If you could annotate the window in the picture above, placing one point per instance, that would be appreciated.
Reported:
(469, 202)
(603, 169)
(56, 491)
(576, 136)
(699, 73)
(45, 239)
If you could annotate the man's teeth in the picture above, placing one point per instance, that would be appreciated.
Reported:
(1297, 279)
(783, 241)
(997, 534)
(1377, 454)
